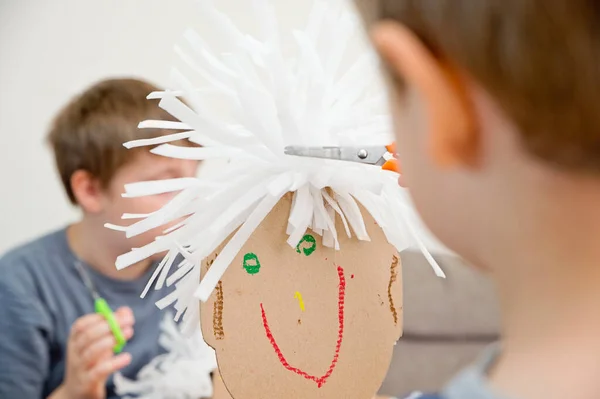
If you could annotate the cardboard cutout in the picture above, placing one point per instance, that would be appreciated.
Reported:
(305, 322)
(220, 392)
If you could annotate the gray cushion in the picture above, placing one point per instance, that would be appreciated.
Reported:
(462, 303)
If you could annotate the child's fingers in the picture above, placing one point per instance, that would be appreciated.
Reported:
(102, 348)
(125, 317)
(84, 323)
(98, 351)
(96, 328)
(128, 332)
(401, 181)
(94, 332)
(102, 370)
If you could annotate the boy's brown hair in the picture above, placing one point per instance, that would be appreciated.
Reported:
(539, 60)
(89, 132)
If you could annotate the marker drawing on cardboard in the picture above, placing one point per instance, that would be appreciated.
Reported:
(291, 263)
(301, 326)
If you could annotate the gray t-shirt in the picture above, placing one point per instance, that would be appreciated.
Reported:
(41, 296)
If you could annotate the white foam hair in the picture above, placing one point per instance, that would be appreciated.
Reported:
(275, 101)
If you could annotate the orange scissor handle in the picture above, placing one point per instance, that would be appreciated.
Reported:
(392, 165)
(391, 148)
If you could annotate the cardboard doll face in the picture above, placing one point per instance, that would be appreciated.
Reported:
(309, 322)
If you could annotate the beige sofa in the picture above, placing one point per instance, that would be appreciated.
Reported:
(447, 322)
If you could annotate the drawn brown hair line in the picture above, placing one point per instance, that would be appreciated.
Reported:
(218, 330)
(393, 278)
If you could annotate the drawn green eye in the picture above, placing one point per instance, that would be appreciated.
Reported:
(251, 263)
(308, 245)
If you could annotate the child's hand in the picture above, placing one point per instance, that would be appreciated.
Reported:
(90, 357)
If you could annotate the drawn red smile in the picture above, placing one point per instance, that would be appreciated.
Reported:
(320, 381)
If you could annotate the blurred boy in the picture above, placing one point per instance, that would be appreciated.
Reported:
(53, 344)
(495, 105)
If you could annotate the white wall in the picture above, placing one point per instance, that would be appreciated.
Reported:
(50, 50)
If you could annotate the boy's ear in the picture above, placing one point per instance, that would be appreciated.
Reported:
(87, 191)
(450, 113)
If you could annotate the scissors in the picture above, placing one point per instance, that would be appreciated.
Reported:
(370, 155)
(102, 308)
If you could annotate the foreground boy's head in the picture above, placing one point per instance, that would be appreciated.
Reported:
(87, 139)
(309, 322)
(495, 105)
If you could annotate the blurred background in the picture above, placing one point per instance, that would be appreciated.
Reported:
(49, 51)
(52, 50)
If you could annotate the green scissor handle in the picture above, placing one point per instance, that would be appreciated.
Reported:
(103, 309)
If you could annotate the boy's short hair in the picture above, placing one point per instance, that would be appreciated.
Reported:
(89, 132)
(538, 59)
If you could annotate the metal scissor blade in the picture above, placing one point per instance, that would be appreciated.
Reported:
(314, 152)
(372, 155)
(86, 279)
